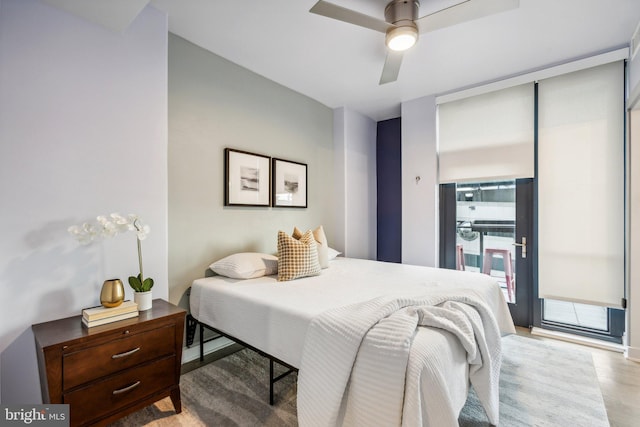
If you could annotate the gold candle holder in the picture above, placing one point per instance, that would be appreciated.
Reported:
(112, 293)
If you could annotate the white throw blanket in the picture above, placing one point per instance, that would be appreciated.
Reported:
(356, 358)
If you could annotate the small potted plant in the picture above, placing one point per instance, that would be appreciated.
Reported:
(109, 227)
(139, 284)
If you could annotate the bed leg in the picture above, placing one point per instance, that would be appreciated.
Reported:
(271, 382)
(192, 324)
(201, 342)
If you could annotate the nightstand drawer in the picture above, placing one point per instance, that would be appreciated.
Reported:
(77, 366)
(85, 365)
(120, 390)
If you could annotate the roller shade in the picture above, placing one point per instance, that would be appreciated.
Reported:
(581, 186)
(487, 137)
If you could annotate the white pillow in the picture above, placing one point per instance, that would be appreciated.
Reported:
(246, 265)
(332, 253)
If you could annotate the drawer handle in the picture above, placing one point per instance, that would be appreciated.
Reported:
(125, 354)
(126, 389)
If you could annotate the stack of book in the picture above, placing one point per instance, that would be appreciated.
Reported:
(100, 315)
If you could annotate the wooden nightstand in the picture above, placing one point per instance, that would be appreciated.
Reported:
(109, 371)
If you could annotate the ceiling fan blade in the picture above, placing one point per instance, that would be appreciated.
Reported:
(343, 14)
(463, 12)
(391, 67)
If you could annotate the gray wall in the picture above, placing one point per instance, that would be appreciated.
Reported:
(214, 104)
(83, 132)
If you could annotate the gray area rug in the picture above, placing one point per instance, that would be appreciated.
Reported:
(541, 384)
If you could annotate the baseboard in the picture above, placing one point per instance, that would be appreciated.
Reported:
(577, 339)
(193, 352)
(632, 353)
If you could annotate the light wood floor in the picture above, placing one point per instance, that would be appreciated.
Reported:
(619, 382)
(619, 379)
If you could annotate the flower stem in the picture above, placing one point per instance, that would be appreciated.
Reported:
(140, 262)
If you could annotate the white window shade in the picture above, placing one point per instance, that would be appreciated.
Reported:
(487, 137)
(581, 186)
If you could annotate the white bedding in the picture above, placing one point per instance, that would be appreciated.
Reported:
(360, 365)
(274, 316)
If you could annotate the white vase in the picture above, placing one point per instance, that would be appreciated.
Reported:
(143, 299)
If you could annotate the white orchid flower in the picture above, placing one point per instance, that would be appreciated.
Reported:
(74, 230)
(79, 234)
(121, 223)
(118, 219)
(90, 231)
(142, 230)
(109, 227)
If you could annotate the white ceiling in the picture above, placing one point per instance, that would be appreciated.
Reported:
(339, 64)
(115, 15)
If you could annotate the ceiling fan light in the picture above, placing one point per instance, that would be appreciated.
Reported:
(401, 38)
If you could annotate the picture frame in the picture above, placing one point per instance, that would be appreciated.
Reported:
(247, 178)
(289, 181)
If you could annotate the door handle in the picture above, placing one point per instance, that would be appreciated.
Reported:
(523, 245)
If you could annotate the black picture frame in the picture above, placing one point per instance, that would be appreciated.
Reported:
(289, 184)
(247, 178)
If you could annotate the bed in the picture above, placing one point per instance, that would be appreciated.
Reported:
(278, 319)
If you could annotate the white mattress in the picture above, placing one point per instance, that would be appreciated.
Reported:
(274, 316)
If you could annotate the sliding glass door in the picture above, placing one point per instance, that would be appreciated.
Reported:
(485, 165)
(536, 173)
(492, 236)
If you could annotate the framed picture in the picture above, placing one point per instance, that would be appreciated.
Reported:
(289, 184)
(247, 178)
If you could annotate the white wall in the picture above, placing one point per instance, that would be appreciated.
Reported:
(83, 132)
(633, 73)
(355, 160)
(633, 258)
(633, 234)
(419, 199)
(339, 175)
(214, 104)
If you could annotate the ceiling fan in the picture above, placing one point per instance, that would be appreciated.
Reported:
(402, 25)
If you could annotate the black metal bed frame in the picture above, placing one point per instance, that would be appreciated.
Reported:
(192, 324)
